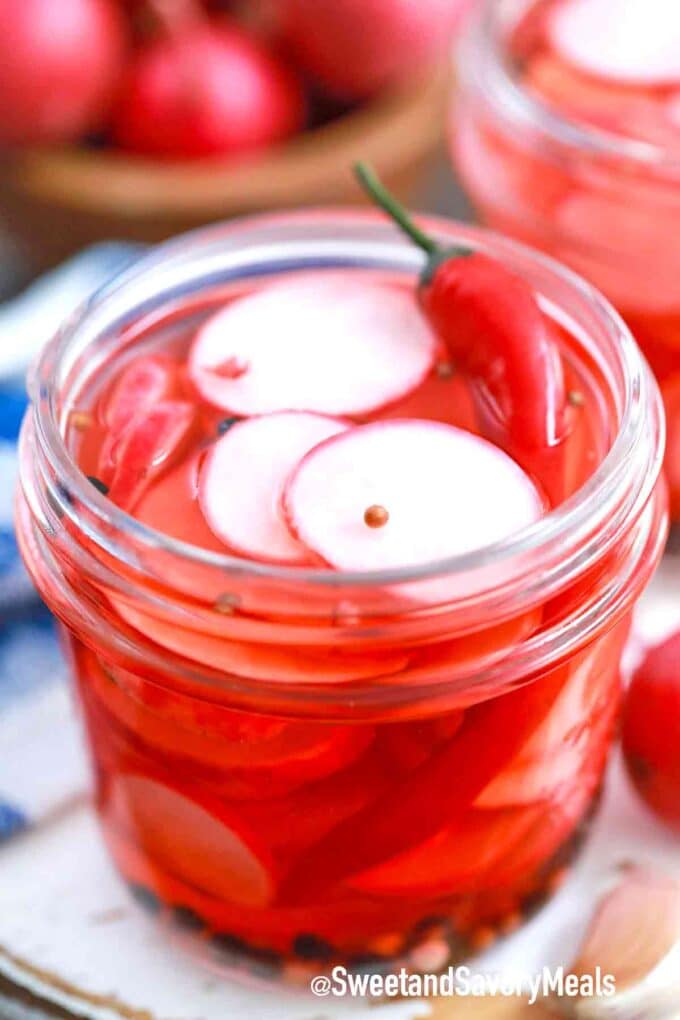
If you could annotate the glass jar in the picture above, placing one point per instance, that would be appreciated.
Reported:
(604, 204)
(297, 768)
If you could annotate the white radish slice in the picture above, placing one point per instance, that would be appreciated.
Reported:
(263, 662)
(336, 346)
(243, 477)
(631, 41)
(445, 491)
(193, 843)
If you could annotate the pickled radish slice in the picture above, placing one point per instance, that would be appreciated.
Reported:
(562, 751)
(198, 846)
(636, 41)
(324, 344)
(318, 807)
(243, 477)
(467, 855)
(453, 778)
(251, 750)
(146, 447)
(139, 387)
(267, 663)
(482, 850)
(595, 101)
(530, 780)
(443, 491)
(407, 745)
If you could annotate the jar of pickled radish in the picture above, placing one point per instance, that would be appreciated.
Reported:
(347, 653)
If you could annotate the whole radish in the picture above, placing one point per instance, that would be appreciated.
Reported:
(60, 61)
(204, 88)
(355, 47)
(651, 730)
(670, 391)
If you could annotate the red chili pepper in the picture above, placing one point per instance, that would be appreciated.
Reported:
(492, 326)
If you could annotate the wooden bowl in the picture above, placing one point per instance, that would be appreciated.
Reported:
(54, 202)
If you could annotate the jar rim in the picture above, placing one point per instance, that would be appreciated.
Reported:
(623, 477)
(482, 67)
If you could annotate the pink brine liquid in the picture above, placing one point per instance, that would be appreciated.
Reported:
(284, 835)
(592, 173)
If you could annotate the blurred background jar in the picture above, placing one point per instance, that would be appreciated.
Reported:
(581, 165)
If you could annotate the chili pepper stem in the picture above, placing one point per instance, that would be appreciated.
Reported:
(436, 255)
(381, 196)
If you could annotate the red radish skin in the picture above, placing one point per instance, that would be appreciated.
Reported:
(331, 345)
(355, 47)
(242, 480)
(651, 730)
(619, 40)
(60, 63)
(145, 449)
(146, 381)
(434, 490)
(208, 91)
(140, 387)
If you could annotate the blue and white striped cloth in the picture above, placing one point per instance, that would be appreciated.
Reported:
(41, 764)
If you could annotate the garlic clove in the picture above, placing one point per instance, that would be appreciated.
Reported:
(635, 937)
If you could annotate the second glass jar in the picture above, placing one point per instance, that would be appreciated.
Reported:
(606, 202)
